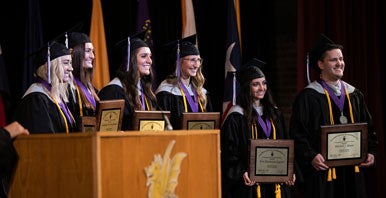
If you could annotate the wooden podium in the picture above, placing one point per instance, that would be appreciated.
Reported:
(112, 164)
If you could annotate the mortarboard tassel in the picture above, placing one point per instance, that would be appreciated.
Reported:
(234, 89)
(178, 60)
(66, 41)
(128, 54)
(308, 68)
(48, 65)
(357, 169)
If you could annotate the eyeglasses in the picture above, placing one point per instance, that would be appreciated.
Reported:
(194, 60)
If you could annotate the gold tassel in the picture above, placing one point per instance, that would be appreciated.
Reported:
(278, 191)
(333, 173)
(258, 191)
(357, 169)
(329, 175)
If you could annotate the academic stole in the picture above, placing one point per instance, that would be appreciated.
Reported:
(79, 86)
(63, 109)
(192, 103)
(331, 171)
(266, 126)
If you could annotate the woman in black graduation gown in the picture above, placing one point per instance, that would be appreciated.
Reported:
(43, 108)
(255, 116)
(83, 94)
(183, 91)
(329, 101)
(134, 81)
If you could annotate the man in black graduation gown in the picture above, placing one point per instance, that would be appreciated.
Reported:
(321, 103)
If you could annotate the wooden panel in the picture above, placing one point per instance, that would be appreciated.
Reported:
(54, 166)
(112, 164)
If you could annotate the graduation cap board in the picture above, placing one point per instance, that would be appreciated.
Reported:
(251, 70)
(47, 53)
(321, 45)
(130, 44)
(181, 48)
(76, 38)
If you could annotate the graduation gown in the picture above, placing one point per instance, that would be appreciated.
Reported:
(114, 90)
(38, 113)
(8, 161)
(73, 105)
(169, 98)
(235, 142)
(310, 111)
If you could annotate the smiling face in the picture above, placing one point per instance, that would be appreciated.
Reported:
(89, 55)
(190, 65)
(67, 67)
(144, 61)
(258, 88)
(332, 65)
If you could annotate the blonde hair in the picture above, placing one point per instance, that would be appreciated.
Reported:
(58, 86)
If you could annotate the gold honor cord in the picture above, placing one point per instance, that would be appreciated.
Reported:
(79, 101)
(332, 175)
(61, 113)
(254, 136)
(185, 105)
(147, 104)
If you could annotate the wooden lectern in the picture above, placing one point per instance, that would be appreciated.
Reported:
(112, 164)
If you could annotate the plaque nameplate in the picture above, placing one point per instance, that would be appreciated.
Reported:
(271, 161)
(150, 120)
(109, 115)
(344, 144)
(200, 121)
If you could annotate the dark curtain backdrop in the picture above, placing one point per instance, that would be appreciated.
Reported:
(360, 27)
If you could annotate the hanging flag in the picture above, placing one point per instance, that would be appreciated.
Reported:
(33, 41)
(98, 38)
(233, 57)
(188, 19)
(4, 89)
(144, 24)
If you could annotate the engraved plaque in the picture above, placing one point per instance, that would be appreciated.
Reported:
(344, 144)
(271, 161)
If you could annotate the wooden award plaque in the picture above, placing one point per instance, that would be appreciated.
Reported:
(150, 120)
(271, 161)
(344, 144)
(109, 115)
(201, 121)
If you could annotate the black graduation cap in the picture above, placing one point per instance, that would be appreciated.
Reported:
(181, 48)
(47, 53)
(251, 70)
(321, 45)
(187, 46)
(76, 38)
(136, 41)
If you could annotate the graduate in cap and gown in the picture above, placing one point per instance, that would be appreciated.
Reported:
(134, 79)
(255, 116)
(183, 90)
(83, 94)
(329, 100)
(43, 108)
